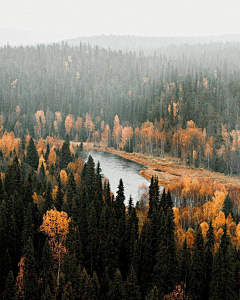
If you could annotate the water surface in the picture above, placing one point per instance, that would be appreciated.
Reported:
(115, 167)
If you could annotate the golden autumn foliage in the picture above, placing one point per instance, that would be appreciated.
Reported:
(8, 143)
(56, 226)
(63, 177)
(69, 122)
(19, 279)
(52, 157)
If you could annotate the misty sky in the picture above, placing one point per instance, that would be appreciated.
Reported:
(73, 18)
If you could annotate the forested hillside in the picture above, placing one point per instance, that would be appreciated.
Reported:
(184, 100)
(64, 235)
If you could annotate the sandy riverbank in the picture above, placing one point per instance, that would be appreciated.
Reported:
(165, 168)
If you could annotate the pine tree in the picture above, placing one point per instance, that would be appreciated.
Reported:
(10, 287)
(185, 260)
(223, 285)
(116, 290)
(93, 241)
(209, 255)
(32, 155)
(152, 204)
(29, 274)
(119, 202)
(197, 279)
(13, 178)
(47, 268)
(165, 270)
(89, 178)
(146, 263)
(47, 295)
(131, 287)
(28, 226)
(227, 206)
(66, 156)
(154, 295)
(48, 203)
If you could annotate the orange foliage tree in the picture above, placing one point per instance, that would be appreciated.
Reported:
(56, 226)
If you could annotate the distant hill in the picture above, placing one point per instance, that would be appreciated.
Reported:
(131, 43)
(15, 37)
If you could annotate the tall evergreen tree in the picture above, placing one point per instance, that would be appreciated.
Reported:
(66, 156)
(10, 288)
(209, 255)
(223, 285)
(197, 279)
(166, 268)
(227, 206)
(116, 290)
(30, 285)
(131, 287)
(32, 155)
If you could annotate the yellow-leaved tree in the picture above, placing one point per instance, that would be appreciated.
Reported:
(56, 226)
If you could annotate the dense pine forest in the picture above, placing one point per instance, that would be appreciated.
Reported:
(64, 235)
(182, 100)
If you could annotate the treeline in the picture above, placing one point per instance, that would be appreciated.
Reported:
(63, 235)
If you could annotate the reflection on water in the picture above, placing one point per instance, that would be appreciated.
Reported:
(115, 167)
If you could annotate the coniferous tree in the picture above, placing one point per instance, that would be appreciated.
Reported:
(131, 287)
(197, 279)
(66, 156)
(89, 178)
(223, 285)
(185, 264)
(10, 287)
(47, 295)
(209, 255)
(30, 285)
(116, 289)
(13, 178)
(32, 155)
(47, 269)
(166, 268)
(227, 206)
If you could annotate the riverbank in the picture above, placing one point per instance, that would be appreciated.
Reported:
(165, 168)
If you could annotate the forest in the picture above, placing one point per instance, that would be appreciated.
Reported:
(182, 101)
(63, 233)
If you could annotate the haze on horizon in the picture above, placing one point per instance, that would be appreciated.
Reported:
(73, 18)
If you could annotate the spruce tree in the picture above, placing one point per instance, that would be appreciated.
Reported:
(32, 155)
(29, 274)
(116, 290)
(166, 268)
(119, 202)
(47, 295)
(227, 206)
(197, 279)
(209, 255)
(66, 156)
(131, 287)
(223, 285)
(13, 178)
(10, 287)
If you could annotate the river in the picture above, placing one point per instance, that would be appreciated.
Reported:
(115, 167)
